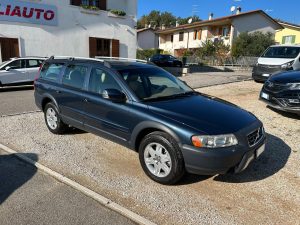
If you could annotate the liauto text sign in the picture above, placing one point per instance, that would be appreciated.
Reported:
(28, 12)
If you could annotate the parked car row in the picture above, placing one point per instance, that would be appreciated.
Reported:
(279, 68)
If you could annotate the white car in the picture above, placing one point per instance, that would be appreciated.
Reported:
(276, 58)
(19, 71)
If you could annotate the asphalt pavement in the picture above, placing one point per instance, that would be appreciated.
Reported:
(28, 196)
(17, 100)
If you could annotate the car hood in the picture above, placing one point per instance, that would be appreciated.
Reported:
(286, 77)
(204, 113)
(273, 61)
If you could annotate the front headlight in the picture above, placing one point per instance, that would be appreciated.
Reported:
(287, 65)
(218, 141)
(294, 86)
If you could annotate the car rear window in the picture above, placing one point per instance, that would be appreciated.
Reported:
(51, 71)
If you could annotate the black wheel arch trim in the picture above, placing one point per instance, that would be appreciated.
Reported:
(52, 99)
(148, 125)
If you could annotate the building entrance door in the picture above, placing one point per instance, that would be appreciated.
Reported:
(9, 48)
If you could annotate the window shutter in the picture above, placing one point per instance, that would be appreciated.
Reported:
(195, 34)
(293, 39)
(199, 34)
(76, 2)
(220, 31)
(115, 48)
(93, 47)
(103, 5)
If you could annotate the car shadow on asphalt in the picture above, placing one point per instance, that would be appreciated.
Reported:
(14, 173)
(286, 114)
(16, 88)
(270, 162)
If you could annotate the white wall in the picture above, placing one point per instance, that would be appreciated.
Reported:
(147, 39)
(252, 23)
(71, 36)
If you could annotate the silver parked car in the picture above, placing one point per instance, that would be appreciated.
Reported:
(19, 71)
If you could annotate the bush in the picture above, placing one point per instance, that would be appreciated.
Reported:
(252, 44)
(118, 12)
(147, 53)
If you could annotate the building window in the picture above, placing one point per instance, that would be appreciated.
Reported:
(102, 47)
(225, 31)
(172, 38)
(181, 36)
(289, 39)
(101, 4)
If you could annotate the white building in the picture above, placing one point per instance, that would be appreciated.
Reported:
(64, 27)
(147, 38)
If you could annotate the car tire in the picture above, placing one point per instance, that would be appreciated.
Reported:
(53, 120)
(161, 158)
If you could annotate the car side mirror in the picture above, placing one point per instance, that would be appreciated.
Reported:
(114, 95)
(7, 68)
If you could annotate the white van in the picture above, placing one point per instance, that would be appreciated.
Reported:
(277, 58)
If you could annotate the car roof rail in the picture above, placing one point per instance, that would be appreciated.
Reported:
(72, 58)
(121, 59)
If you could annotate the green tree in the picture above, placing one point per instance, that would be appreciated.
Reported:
(182, 21)
(157, 18)
(252, 44)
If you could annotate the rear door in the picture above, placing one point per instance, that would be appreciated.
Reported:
(32, 68)
(70, 98)
(16, 73)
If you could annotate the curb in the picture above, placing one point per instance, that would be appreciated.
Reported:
(97, 197)
(22, 113)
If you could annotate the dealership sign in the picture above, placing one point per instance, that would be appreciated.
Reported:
(28, 12)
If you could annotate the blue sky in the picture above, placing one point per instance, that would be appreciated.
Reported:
(288, 10)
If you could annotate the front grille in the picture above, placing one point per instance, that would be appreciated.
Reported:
(268, 69)
(255, 136)
(275, 87)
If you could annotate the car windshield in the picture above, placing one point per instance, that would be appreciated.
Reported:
(3, 63)
(282, 52)
(150, 84)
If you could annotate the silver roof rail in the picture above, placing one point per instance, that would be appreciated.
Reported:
(72, 58)
(121, 59)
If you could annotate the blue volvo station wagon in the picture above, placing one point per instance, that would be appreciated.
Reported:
(173, 128)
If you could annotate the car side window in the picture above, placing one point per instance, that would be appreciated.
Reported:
(51, 71)
(17, 64)
(101, 80)
(33, 63)
(74, 76)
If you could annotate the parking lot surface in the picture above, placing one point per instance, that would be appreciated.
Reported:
(204, 79)
(268, 192)
(28, 196)
(16, 100)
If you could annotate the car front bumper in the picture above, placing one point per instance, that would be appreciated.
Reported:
(263, 72)
(282, 100)
(235, 159)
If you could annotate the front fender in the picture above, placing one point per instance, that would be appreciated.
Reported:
(151, 125)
